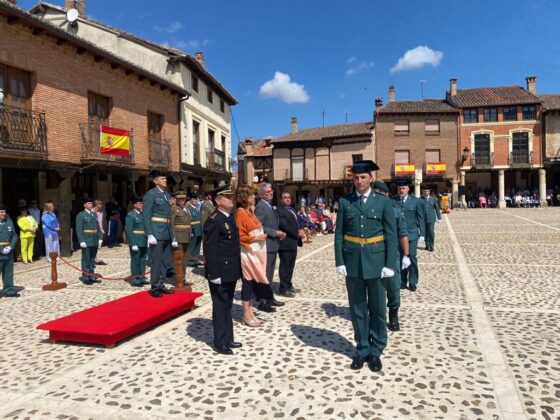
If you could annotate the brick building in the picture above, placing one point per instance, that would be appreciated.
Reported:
(551, 138)
(417, 140)
(55, 91)
(255, 159)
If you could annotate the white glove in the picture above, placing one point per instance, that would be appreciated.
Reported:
(175, 244)
(387, 272)
(341, 269)
(421, 239)
(439, 220)
(83, 245)
(216, 281)
(152, 240)
(405, 262)
(6, 250)
(100, 242)
(134, 248)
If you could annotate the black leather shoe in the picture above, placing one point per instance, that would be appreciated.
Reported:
(394, 320)
(235, 345)
(100, 263)
(87, 282)
(95, 280)
(403, 286)
(223, 350)
(165, 291)
(431, 249)
(412, 288)
(357, 363)
(12, 295)
(155, 293)
(266, 308)
(274, 302)
(374, 363)
(287, 294)
(294, 290)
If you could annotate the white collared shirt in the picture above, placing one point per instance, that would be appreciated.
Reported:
(366, 194)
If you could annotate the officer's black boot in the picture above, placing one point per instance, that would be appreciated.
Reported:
(394, 319)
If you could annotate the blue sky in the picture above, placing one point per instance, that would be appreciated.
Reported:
(338, 56)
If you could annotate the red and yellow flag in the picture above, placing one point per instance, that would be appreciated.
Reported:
(435, 168)
(349, 171)
(114, 141)
(404, 168)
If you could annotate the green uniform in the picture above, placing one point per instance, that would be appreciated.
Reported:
(181, 226)
(136, 235)
(411, 209)
(196, 240)
(8, 237)
(87, 230)
(206, 210)
(156, 213)
(394, 283)
(373, 222)
(430, 207)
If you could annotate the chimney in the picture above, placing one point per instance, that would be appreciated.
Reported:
(294, 125)
(531, 84)
(378, 103)
(453, 87)
(391, 93)
(79, 5)
(199, 55)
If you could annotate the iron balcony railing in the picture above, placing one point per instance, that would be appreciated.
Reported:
(216, 159)
(160, 153)
(22, 131)
(482, 159)
(90, 144)
(520, 157)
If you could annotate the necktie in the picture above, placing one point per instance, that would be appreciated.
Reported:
(362, 200)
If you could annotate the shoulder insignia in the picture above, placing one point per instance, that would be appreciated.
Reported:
(213, 216)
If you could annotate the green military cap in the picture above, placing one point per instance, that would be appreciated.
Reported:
(364, 167)
(181, 195)
(380, 185)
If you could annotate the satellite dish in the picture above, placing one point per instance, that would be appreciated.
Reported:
(72, 15)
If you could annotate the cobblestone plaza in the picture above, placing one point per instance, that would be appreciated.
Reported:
(479, 339)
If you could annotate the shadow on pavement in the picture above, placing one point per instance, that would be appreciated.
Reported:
(332, 310)
(324, 339)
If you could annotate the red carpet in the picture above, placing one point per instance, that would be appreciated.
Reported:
(114, 321)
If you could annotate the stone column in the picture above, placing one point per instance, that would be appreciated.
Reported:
(64, 207)
(416, 189)
(542, 187)
(501, 190)
(462, 184)
(454, 193)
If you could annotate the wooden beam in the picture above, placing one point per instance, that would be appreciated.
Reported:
(152, 83)
(141, 77)
(128, 72)
(97, 58)
(115, 66)
(37, 31)
(60, 41)
(12, 20)
(80, 50)
(162, 87)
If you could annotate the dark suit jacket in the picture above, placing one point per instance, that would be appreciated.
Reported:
(222, 250)
(288, 223)
(269, 222)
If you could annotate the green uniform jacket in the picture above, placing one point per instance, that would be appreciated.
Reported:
(7, 234)
(375, 218)
(134, 225)
(206, 210)
(87, 228)
(181, 224)
(157, 204)
(195, 220)
(414, 217)
(430, 206)
(401, 222)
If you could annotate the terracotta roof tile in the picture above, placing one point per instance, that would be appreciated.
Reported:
(505, 95)
(333, 131)
(550, 102)
(425, 105)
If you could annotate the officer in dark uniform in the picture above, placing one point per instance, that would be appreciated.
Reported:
(196, 228)
(223, 267)
(8, 242)
(156, 213)
(137, 244)
(181, 226)
(432, 213)
(87, 231)
(365, 246)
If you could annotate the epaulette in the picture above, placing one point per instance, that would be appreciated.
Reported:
(213, 216)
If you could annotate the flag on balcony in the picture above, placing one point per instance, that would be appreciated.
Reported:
(349, 171)
(404, 168)
(435, 168)
(114, 141)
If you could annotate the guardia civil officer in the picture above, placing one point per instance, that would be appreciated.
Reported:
(137, 243)
(156, 213)
(223, 267)
(207, 208)
(394, 283)
(181, 226)
(8, 241)
(411, 209)
(365, 247)
(432, 213)
(196, 228)
(87, 231)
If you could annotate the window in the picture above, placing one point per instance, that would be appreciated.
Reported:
(432, 127)
(470, 116)
(510, 113)
(433, 156)
(222, 105)
(356, 158)
(490, 115)
(211, 135)
(15, 87)
(223, 143)
(401, 127)
(194, 83)
(482, 148)
(210, 95)
(529, 112)
(196, 142)
(155, 124)
(98, 109)
(520, 148)
(297, 168)
(402, 156)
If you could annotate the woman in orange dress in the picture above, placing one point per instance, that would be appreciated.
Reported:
(253, 251)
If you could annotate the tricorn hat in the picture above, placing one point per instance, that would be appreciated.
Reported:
(192, 195)
(364, 167)
(403, 183)
(87, 199)
(136, 199)
(155, 173)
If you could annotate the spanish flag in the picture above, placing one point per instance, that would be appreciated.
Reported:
(114, 141)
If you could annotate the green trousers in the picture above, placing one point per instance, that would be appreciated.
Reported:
(194, 248)
(367, 298)
(7, 272)
(410, 275)
(394, 287)
(138, 265)
(88, 262)
(430, 235)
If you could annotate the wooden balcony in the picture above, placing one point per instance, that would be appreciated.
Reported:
(22, 131)
(216, 160)
(160, 153)
(90, 145)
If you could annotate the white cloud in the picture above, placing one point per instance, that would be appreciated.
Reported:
(172, 28)
(282, 87)
(191, 45)
(351, 60)
(418, 57)
(363, 66)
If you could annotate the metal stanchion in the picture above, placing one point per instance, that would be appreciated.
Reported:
(54, 285)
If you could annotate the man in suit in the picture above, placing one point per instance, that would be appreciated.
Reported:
(87, 231)
(156, 213)
(8, 242)
(287, 251)
(222, 252)
(365, 246)
(411, 209)
(181, 225)
(137, 244)
(432, 213)
(196, 228)
(269, 221)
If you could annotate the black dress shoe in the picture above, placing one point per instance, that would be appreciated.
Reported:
(165, 291)
(155, 293)
(87, 282)
(287, 293)
(403, 286)
(357, 363)
(223, 350)
(100, 263)
(95, 280)
(412, 288)
(235, 345)
(294, 290)
(394, 320)
(266, 308)
(274, 302)
(374, 363)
